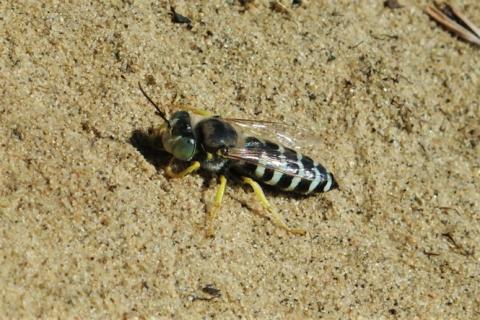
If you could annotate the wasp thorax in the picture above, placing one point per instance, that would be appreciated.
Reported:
(179, 139)
(216, 134)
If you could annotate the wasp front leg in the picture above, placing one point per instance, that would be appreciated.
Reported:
(213, 213)
(197, 111)
(276, 218)
(171, 174)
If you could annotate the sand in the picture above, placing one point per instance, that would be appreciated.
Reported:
(90, 227)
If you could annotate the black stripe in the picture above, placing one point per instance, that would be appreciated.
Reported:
(267, 175)
(307, 163)
(308, 168)
(334, 183)
(320, 186)
(323, 178)
(284, 181)
(290, 154)
(303, 186)
(271, 146)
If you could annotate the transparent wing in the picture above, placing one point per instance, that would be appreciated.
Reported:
(277, 162)
(285, 134)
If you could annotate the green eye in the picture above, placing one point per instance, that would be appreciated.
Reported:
(184, 149)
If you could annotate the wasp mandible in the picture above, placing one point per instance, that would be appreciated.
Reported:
(219, 145)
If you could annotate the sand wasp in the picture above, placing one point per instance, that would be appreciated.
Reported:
(224, 146)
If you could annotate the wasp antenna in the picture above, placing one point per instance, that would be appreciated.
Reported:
(160, 112)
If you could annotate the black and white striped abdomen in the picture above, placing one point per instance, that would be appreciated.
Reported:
(285, 169)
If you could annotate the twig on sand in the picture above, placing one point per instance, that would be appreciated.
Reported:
(454, 21)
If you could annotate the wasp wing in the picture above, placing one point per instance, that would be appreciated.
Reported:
(274, 161)
(286, 134)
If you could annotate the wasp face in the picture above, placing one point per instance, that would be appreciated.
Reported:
(179, 139)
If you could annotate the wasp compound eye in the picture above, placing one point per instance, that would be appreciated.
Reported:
(184, 149)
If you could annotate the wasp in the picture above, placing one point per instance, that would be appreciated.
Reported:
(226, 148)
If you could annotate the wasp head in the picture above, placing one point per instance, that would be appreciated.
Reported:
(179, 139)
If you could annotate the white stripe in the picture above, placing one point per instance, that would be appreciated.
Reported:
(329, 183)
(315, 181)
(295, 181)
(259, 171)
(276, 177)
(262, 164)
(301, 169)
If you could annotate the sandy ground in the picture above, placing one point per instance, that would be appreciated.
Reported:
(90, 227)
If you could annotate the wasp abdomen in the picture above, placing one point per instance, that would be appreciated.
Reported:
(286, 169)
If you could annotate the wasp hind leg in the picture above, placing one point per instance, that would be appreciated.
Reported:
(275, 217)
(213, 213)
(192, 168)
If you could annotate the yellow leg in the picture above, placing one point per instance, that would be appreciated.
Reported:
(276, 218)
(193, 167)
(213, 213)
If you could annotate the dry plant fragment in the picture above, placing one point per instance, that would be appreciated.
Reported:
(178, 18)
(454, 21)
(280, 7)
(392, 4)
